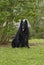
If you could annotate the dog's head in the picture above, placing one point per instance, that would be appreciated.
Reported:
(23, 25)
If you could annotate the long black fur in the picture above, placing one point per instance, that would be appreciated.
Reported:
(21, 38)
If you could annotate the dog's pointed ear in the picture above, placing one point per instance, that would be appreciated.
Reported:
(21, 22)
(26, 21)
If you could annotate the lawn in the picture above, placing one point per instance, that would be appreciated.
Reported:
(23, 56)
(36, 42)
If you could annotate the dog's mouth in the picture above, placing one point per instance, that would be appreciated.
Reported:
(22, 29)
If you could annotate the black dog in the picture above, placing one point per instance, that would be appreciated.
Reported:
(21, 38)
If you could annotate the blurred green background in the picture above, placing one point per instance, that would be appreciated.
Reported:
(13, 10)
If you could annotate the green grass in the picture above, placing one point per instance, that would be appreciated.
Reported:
(36, 41)
(22, 56)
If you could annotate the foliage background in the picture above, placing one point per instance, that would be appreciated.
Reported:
(13, 10)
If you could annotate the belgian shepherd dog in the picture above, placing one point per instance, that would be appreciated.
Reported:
(22, 35)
